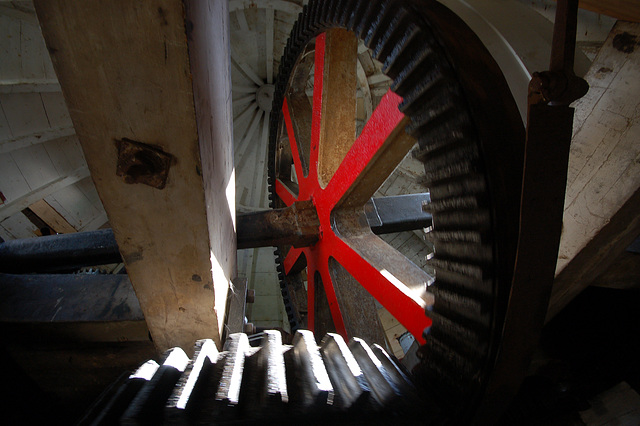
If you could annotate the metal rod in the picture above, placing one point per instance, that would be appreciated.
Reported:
(58, 253)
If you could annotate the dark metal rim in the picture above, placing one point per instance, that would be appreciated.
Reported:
(475, 198)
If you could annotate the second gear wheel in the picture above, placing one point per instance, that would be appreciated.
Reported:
(449, 98)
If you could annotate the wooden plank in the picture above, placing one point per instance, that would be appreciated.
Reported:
(604, 174)
(626, 10)
(14, 206)
(35, 138)
(51, 217)
(178, 242)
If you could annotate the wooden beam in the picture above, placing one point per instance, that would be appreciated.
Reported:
(625, 10)
(597, 256)
(51, 217)
(29, 86)
(604, 174)
(14, 206)
(209, 53)
(36, 138)
(124, 68)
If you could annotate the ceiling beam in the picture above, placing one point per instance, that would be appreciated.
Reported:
(625, 10)
(20, 142)
(14, 206)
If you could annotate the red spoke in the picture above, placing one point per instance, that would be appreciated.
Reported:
(317, 103)
(291, 259)
(407, 308)
(285, 193)
(293, 143)
(381, 124)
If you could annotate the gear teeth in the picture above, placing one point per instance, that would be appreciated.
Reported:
(312, 386)
(386, 19)
(366, 19)
(344, 16)
(445, 137)
(148, 404)
(466, 202)
(465, 220)
(314, 18)
(471, 306)
(352, 388)
(264, 383)
(424, 97)
(395, 48)
(470, 184)
(407, 76)
(458, 367)
(451, 172)
(465, 337)
(392, 29)
(472, 253)
(461, 153)
(183, 402)
(359, 9)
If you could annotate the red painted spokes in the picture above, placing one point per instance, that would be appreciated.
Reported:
(398, 284)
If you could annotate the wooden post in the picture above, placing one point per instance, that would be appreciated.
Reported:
(155, 127)
(603, 186)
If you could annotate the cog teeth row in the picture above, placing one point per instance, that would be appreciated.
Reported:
(465, 337)
(471, 306)
(474, 253)
(463, 153)
(470, 184)
(466, 202)
(384, 20)
(474, 220)
(343, 13)
(392, 34)
(365, 20)
(432, 93)
(449, 135)
(245, 384)
(408, 73)
(472, 237)
(452, 377)
(358, 11)
(393, 47)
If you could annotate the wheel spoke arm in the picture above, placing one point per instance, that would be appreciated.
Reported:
(293, 142)
(285, 194)
(318, 79)
(339, 100)
(380, 147)
(398, 284)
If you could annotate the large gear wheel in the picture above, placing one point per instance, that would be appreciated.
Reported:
(449, 103)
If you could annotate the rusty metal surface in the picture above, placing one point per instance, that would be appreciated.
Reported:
(296, 225)
(142, 163)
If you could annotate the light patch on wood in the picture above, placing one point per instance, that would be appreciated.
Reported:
(51, 217)
(604, 164)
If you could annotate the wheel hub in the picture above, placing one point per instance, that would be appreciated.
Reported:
(264, 97)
